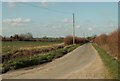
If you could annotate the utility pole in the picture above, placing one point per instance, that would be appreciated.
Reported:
(73, 30)
(84, 34)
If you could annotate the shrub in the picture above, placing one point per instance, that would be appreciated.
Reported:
(50, 57)
(109, 43)
(5, 67)
(69, 40)
(113, 43)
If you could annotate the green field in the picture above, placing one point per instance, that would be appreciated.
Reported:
(14, 45)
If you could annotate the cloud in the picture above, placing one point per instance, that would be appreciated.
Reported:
(20, 0)
(90, 28)
(43, 3)
(56, 27)
(111, 24)
(11, 4)
(46, 3)
(67, 20)
(77, 26)
(16, 21)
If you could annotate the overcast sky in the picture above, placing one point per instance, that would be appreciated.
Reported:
(54, 19)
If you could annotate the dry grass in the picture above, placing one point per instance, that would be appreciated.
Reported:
(31, 51)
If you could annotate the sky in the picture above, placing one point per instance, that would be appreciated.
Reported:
(54, 19)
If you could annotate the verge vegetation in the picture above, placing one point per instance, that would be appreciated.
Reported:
(110, 43)
(35, 60)
(109, 61)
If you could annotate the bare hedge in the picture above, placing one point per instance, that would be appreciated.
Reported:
(109, 43)
(69, 40)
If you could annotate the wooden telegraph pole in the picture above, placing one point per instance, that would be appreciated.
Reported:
(73, 30)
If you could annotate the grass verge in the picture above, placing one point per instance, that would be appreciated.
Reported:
(109, 61)
(35, 60)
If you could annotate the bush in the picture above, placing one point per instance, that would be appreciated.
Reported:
(69, 40)
(50, 57)
(109, 43)
(5, 67)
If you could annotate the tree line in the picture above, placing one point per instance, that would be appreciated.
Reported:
(19, 37)
(29, 37)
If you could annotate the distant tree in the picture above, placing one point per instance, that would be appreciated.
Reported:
(21, 37)
(91, 38)
(16, 36)
(4, 37)
(28, 36)
(45, 37)
(25, 37)
(11, 36)
(1, 37)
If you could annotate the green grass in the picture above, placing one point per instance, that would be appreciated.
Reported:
(11, 46)
(35, 60)
(109, 61)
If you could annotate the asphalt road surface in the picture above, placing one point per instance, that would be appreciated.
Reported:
(82, 63)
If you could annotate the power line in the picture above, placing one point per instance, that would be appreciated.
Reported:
(53, 10)
(56, 12)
